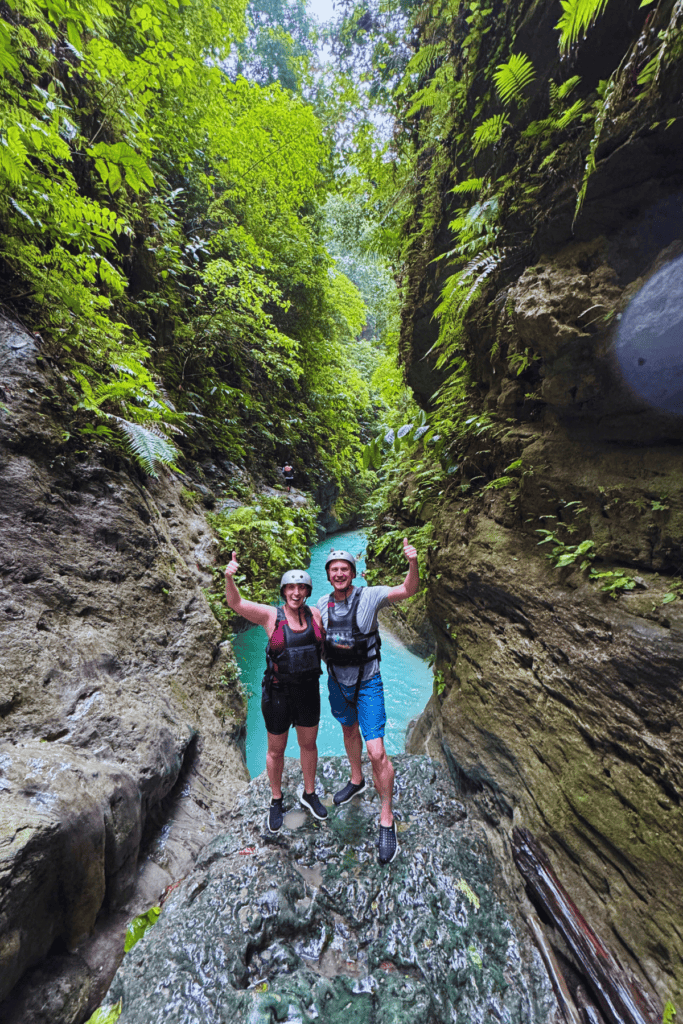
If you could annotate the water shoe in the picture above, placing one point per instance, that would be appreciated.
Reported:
(388, 844)
(311, 802)
(276, 815)
(350, 790)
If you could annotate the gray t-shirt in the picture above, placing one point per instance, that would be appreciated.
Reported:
(370, 601)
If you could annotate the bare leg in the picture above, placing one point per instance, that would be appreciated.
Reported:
(383, 774)
(354, 749)
(307, 736)
(275, 761)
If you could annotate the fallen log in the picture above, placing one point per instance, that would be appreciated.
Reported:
(618, 994)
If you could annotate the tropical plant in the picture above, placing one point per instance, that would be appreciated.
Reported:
(512, 78)
(489, 132)
(269, 535)
(577, 17)
(562, 554)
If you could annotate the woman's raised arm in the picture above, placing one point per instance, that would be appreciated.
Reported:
(260, 614)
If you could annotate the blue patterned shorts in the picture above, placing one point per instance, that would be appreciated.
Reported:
(369, 711)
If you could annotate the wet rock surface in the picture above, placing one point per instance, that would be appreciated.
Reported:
(121, 715)
(306, 925)
(561, 702)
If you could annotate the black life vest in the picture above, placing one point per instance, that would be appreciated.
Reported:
(299, 662)
(344, 642)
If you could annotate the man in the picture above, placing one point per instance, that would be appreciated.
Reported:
(352, 646)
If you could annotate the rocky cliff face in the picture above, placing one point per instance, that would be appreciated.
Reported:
(121, 716)
(561, 703)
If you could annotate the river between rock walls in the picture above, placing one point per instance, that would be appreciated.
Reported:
(408, 680)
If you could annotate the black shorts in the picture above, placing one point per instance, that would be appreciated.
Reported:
(296, 705)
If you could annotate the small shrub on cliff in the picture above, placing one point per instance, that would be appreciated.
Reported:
(563, 554)
(269, 536)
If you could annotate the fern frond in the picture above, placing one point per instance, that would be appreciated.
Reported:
(564, 90)
(471, 185)
(513, 77)
(569, 115)
(426, 57)
(483, 266)
(577, 17)
(489, 132)
(649, 71)
(148, 445)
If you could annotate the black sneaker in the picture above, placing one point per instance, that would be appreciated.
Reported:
(276, 815)
(388, 844)
(350, 790)
(311, 803)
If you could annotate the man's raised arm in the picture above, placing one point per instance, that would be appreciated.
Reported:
(410, 585)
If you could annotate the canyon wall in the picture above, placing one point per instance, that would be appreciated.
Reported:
(121, 713)
(560, 696)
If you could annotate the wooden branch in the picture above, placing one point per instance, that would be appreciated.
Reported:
(554, 971)
(590, 1012)
(620, 997)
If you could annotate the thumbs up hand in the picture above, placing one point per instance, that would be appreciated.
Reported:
(409, 551)
(233, 566)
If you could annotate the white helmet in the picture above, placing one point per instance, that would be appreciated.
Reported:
(340, 556)
(296, 576)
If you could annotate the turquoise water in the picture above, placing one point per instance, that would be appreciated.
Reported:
(407, 679)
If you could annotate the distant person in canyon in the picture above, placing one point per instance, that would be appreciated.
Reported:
(290, 693)
(288, 474)
(352, 652)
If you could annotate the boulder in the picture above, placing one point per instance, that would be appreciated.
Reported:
(307, 925)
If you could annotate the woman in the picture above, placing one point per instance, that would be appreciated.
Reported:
(290, 692)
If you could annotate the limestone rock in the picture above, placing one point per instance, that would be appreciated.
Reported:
(113, 687)
(307, 925)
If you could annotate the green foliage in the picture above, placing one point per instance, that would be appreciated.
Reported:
(278, 45)
(512, 78)
(386, 546)
(614, 581)
(500, 482)
(270, 535)
(405, 436)
(471, 185)
(521, 361)
(106, 1015)
(562, 554)
(138, 926)
(669, 1015)
(577, 17)
(674, 592)
(489, 132)
(145, 195)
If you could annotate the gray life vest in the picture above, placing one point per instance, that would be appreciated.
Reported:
(344, 642)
